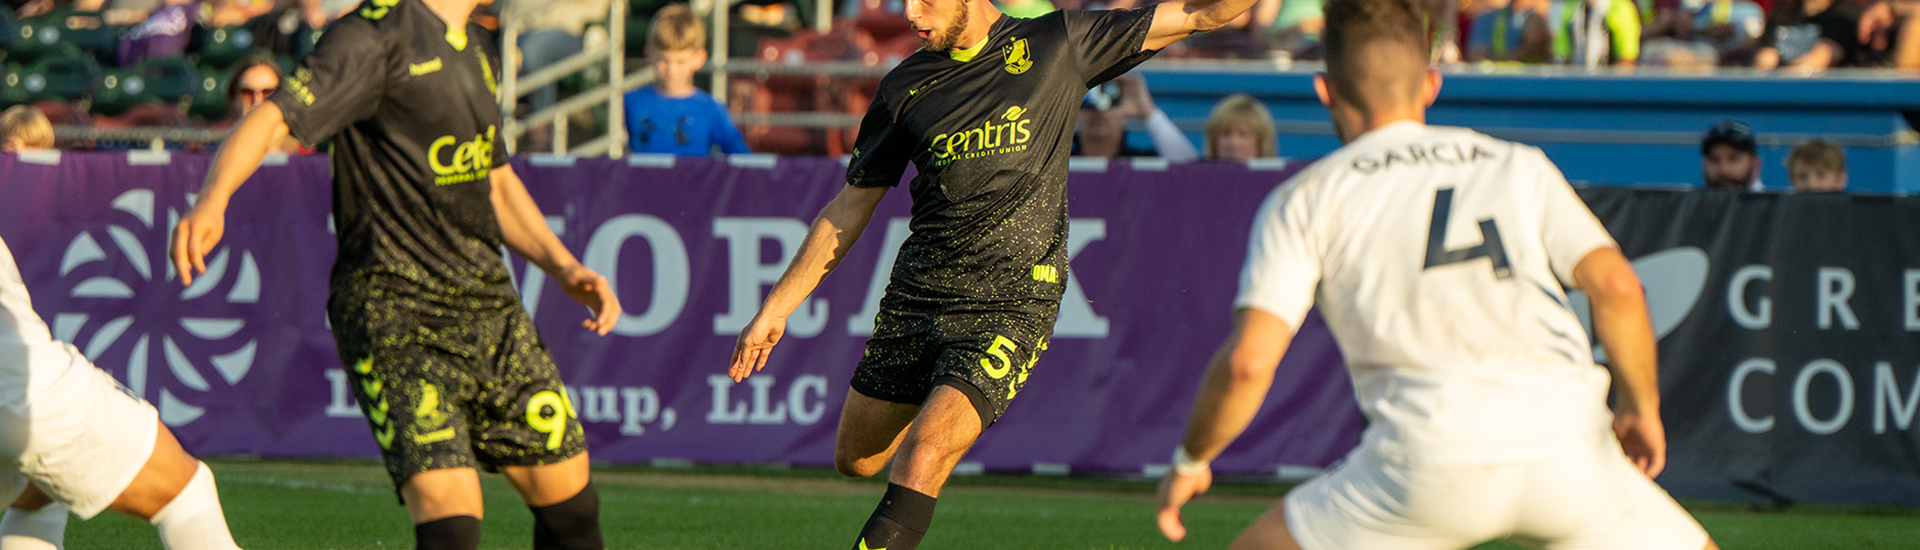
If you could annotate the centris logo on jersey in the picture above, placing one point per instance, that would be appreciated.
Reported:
(456, 161)
(990, 137)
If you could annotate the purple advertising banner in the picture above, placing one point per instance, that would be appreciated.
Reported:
(242, 361)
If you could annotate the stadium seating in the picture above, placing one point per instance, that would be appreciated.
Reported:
(84, 31)
(64, 74)
(171, 81)
(222, 47)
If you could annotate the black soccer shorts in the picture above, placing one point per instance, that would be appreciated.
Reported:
(986, 352)
(479, 392)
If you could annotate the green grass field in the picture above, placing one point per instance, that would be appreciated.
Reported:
(350, 505)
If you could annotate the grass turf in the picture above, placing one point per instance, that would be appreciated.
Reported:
(350, 505)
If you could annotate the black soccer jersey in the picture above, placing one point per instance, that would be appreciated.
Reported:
(409, 104)
(991, 137)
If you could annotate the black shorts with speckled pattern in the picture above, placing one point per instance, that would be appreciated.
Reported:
(984, 351)
(457, 391)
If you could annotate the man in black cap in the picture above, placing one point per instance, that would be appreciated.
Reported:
(1729, 158)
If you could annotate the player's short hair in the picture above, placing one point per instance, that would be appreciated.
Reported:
(27, 124)
(675, 28)
(1243, 113)
(1375, 50)
(1817, 154)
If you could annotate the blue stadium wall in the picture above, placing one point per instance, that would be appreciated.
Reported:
(1639, 128)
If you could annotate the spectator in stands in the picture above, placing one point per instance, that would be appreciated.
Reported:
(24, 128)
(1292, 26)
(1240, 129)
(163, 34)
(1893, 24)
(1819, 35)
(254, 80)
(1817, 166)
(550, 30)
(673, 116)
(1730, 158)
(1102, 128)
(1517, 32)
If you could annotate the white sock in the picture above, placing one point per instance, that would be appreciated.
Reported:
(193, 520)
(42, 529)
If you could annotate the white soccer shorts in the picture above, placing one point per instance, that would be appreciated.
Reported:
(1595, 500)
(68, 427)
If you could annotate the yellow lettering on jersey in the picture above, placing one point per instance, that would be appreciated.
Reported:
(297, 84)
(1018, 57)
(434, 436)
(418, 69)
(427, 415)
(989, 138)
(465, 162)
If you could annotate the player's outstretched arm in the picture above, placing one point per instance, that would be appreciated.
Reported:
(1231, 393)
(1620, 321)
(202, 227)
(526, 233)
(832, 234)
(1179, 19)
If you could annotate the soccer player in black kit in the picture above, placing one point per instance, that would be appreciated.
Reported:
(985, 112)
(443, 360)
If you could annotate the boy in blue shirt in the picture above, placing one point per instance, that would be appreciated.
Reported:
(672, 116)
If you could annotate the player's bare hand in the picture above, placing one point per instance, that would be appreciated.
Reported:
(755, 343)
(1643, 439)
(591, 290)
(195, 236)
(1175, 490)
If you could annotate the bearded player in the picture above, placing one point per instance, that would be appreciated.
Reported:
(1439, 256)
(985, 113)
(442, 358)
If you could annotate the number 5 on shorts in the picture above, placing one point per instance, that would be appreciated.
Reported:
(1000, 349)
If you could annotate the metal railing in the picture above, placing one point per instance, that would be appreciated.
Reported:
(613, 53)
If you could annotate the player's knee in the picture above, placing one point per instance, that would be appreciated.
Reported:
(573, 524)
(852, 466)
(452, 533)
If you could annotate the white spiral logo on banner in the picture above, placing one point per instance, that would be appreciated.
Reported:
(164, 329)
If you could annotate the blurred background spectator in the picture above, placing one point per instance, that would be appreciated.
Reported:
(24, 128)
(254, 80)
(1102, 128)
(672, 115)
(1515, 32)
(1730, 158)
(1240, 129)
(1816, 35)
(1697, 33)
(1292, 26)
(1817, 166)
(550, 30)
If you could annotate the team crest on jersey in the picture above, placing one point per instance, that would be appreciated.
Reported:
(1019, 57)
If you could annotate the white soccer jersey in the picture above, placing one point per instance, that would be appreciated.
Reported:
(1438, 256)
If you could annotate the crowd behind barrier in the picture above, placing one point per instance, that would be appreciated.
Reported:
(113, 64)
(1789, 364)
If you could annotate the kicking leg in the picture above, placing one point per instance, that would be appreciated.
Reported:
(176, 493)
(445, 507)
(1269, 532)
(938, 437)
(566, 508)
(35, 522)
(870, 431)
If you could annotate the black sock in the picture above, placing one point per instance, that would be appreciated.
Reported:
(454, 533)
(573, 524)
(898, 523)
